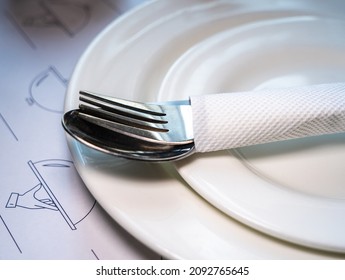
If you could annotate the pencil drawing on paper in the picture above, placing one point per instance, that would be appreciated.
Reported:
(57, 190)
(47, 90)
(68, 16)
(8, 233)
(119, 6)
(8, 127)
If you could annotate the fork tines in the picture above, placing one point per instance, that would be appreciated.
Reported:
(123, 112)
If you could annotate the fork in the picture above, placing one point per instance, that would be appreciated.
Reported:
(169, 123)
(204, 123)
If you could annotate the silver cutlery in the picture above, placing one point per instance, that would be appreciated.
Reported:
(176, 129)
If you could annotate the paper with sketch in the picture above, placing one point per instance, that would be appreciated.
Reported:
(46, 212)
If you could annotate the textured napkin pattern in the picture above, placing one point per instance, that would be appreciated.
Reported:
(232, 120)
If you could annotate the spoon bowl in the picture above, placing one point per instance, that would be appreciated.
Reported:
(121, 145)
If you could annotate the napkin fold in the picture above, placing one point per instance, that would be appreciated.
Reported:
(232, 120)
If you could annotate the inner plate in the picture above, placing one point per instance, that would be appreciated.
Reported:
(130, 59)
(294, 190)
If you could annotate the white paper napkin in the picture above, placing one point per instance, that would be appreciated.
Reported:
(231, 120)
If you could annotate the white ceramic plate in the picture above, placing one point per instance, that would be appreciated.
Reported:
(294, 190)
(131, 59)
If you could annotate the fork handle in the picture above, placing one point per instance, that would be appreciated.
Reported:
(232, 120)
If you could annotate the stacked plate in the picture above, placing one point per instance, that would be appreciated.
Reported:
(275, 201)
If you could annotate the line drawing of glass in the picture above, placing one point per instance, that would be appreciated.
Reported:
(69, 16)
(57, 189)
(47, 90)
